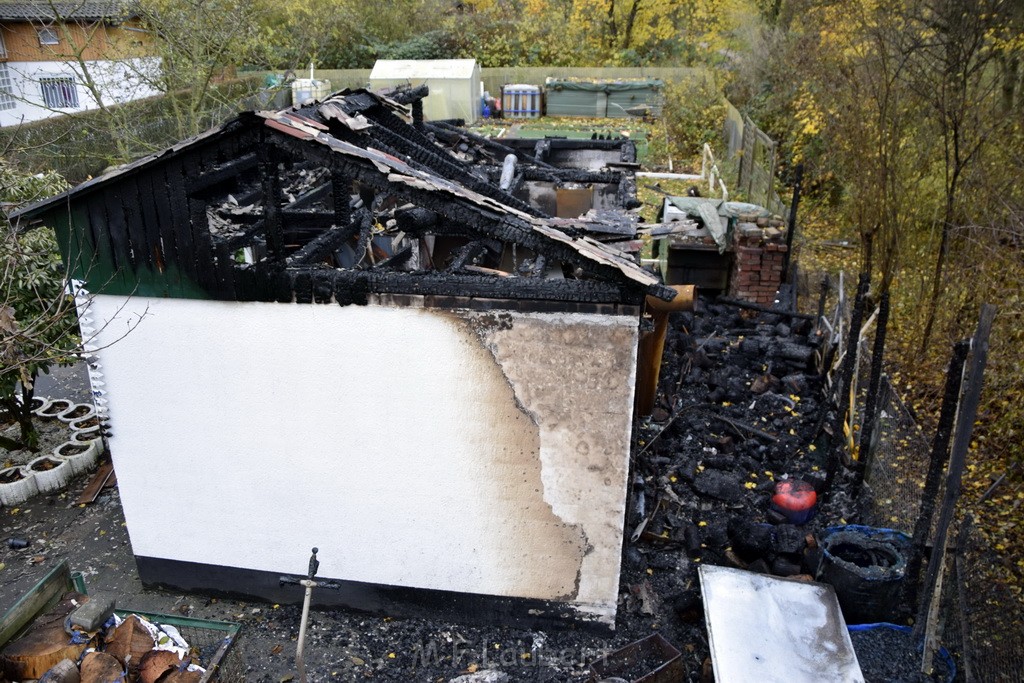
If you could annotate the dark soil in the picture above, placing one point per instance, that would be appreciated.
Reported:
(45, 465)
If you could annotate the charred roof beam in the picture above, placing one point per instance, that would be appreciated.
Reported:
(270, 179)
(488, 143)
(447, 166)
(472, 254)
(326, 244)
(571, 175)
(493, 222)
(353, 286)
(222, 174)
(310, 197)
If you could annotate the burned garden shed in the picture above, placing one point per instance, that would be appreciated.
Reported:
(340, 326)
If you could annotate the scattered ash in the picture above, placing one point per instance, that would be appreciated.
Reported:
(888, 655)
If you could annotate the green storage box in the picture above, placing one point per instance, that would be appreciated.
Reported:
(602, 98)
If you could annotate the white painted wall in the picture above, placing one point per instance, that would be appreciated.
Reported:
(118, 82)
(414, 447)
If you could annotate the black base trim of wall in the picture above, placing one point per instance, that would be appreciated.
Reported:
(396, 601)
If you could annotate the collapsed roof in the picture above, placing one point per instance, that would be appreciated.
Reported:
(339, 199)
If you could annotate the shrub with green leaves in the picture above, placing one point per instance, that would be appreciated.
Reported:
(695, 114)
(37, 320)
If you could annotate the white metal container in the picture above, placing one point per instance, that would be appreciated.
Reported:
(520, 101)
(305, 89)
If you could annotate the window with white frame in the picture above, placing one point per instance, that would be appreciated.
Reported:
(3, 47)
(59, 92)
(48, 36)
(6, 89)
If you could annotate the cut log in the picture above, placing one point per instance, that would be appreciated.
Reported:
(129, 644)
(155, 664)
(43, 646)
(99, 667)
(182, 677)
(65, 672)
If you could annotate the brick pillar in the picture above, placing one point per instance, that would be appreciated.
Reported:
(757, 268)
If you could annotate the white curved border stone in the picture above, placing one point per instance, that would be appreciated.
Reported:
(78, 428)
(79, 462)
(81, 436)
(16, 492)
(52, 408)
(42, 406)
(65, 416)
(54, 479)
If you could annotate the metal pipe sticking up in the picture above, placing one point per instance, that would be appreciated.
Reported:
(508, 172)
(652, 344)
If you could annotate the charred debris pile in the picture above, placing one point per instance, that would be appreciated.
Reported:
(741, 409)
(355, 195)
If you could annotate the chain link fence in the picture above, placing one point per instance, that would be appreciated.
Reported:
(982, 623)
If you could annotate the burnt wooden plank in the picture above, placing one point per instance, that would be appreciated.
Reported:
(131, 208)
(206, 268)
(312, 196)
(102, 274)
(350, 285)
(181, 228)
(222, 174)
(223, 268)
(149, 220)
(161, 229)
(117, 229)
(43, 595)
(271, 183)
(484, 218)
(324, 245)
(96, 484)
(341, 198)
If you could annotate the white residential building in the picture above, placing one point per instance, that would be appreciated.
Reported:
(62, 57)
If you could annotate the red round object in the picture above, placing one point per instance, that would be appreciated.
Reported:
(794, 495)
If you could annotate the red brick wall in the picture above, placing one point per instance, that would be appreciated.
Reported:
(757, 268)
